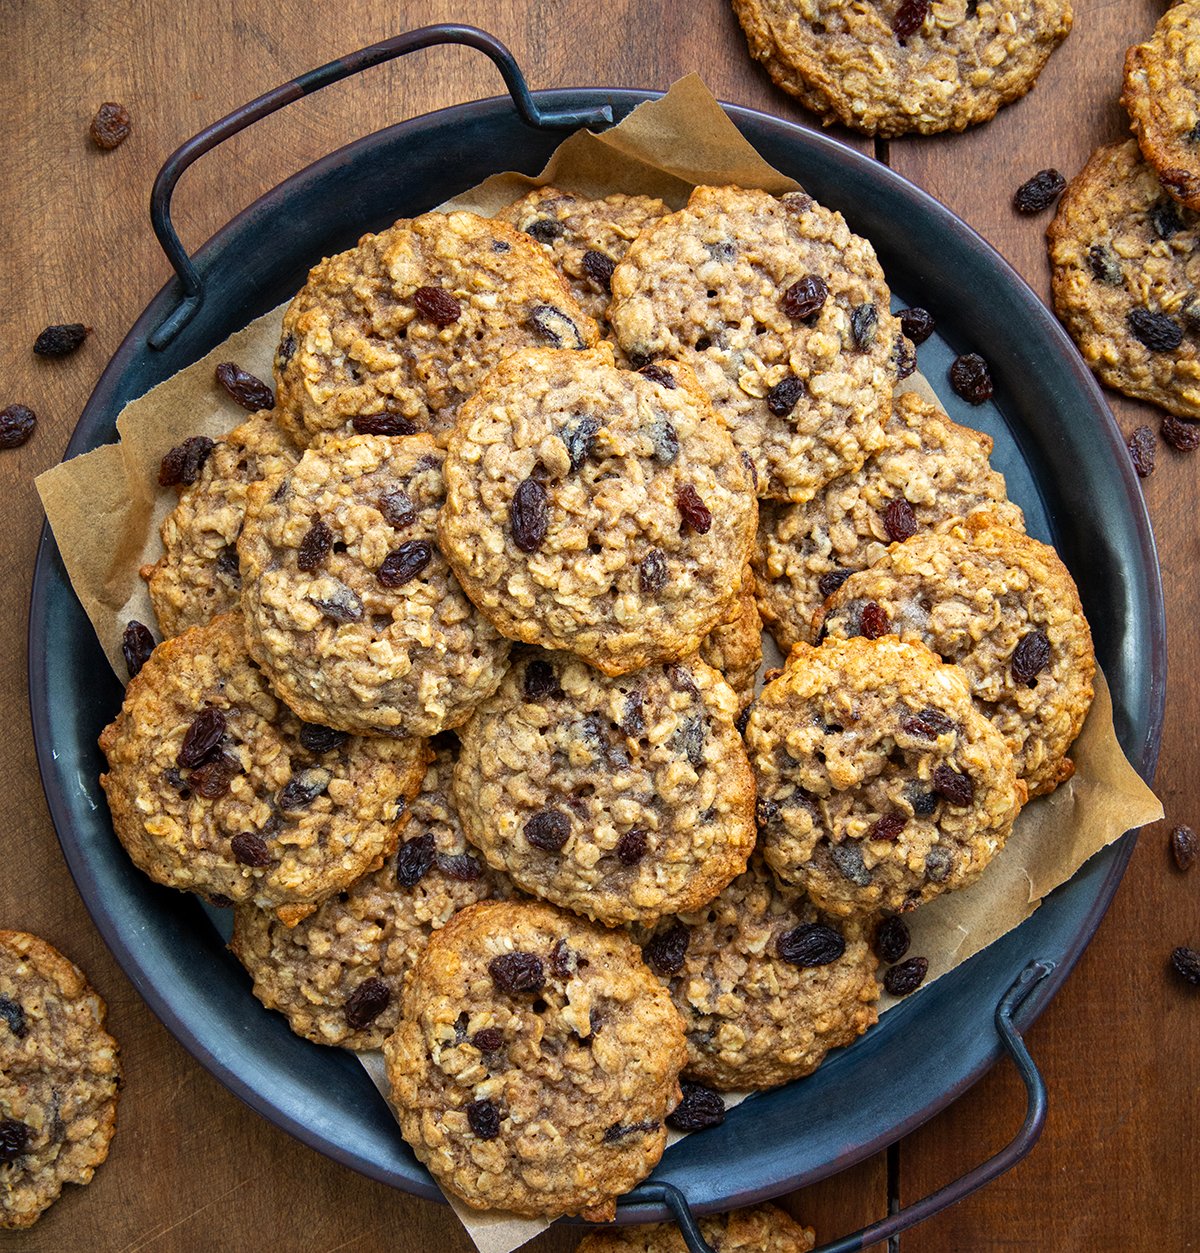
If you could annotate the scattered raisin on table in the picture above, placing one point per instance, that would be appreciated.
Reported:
(1187, 965)
(61, 340)
(906, 977)
(1182, 436)
(1142, 447)
(1039, 192)
(247, 389)
(16, 425)
(111, 126)
(699, 1108)
(891, 939)
(1185, 846)
(917, 323)
(136, 645)
(971, 378)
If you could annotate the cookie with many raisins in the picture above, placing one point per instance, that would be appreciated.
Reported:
(783, 313)
(197, 577)
(735, 646)
(763, 1229)
(595, 509)
(351, 608)
(880, 784)
(905, 65)
(391, 336)
(535, 1061)
(338, 974)
(619, 798)
(1125, 262)
(929, 472)
(216, 787)
(59, 1078)
(765, 983)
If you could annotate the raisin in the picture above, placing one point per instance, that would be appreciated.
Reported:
(873, 621)
(928, 723)
(743, 719)
(14, 1015)
(631, 847)
(923, 803)
(909, 19)
(599, 268)
(971, 379)
(397, 509)
(891, 940)
(1186, 962)
(343, 606)
(811, 944)
(174, 779)
(314, 547)
(689, 740)
(1039, 192)
(848, 859)
(227, 564)
(1157, 331)
(201, 738)
(461, 867)
(579, 437)
(937, 864)
(831, 580)
(548, 829)
(1182, 436)
(633, 720)
(555, 327)
(403, 564)
(321, 739)
(250, 849)
(680, 678)
(517, 972)
(136, 645)
(1165, 219)
(110, 127)
(62, 340)
(367, 1002)
(383, 423)
(1185, 847)
(1142, 447)
(14, 1139)
(694, 511)
(899, 520)
(665, 951)
(805, 297)
(698, 1109)
(1030, 657)
(414, 860)
(656, 374)
(917, 323)
(437, 305)
(864, 319)
(286, 350)
(544, 230)
(665, 440)
(765, 811)
(904, 358)
(527, 515)
(489, 1040)
(784, 396)
(17, 423)
(619, 1131)
(249, 391)
(958, 789)
(540, 680)
(303, 788)
(888, 827)
(1104, 265)
(564, 961)
(907, 976)
(185, 461)
(212, 779)
(638, 360)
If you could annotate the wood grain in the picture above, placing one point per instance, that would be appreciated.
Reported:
(190, 1166)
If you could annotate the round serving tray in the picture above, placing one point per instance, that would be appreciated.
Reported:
(1065, 463)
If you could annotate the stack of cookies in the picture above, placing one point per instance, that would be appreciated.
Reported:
(457, 704)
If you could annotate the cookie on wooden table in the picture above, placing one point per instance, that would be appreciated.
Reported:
(762, 1229)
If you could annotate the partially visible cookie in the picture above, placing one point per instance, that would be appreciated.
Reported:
(763, 1229)
(735, 646)
(892, 68)
(784, 315)
(351, 609)
(880, 784)
(535, 1061)
(1125, 271)
(216, 787)
(585, 237)
(338, 975)
(929, 472)
(766, 985)
(595, 509)
(1162, 96)
(59, 1078)
(197, 578)
(391, 336)
(619, 798)
(1004, 608)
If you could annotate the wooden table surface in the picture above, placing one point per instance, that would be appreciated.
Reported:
(191, 1167)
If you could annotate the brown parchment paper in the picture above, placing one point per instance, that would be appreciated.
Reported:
(105, 509)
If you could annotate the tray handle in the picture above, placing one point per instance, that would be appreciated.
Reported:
(314, 80)
(935, 1202)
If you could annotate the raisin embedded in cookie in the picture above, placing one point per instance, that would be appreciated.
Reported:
(338, 974)
(735, 646)
(535, 1061)
(1162, 96)
(783, 314)
(596, 509)
(765, 984)
(898, 66)
(1004, 608)
(1126, 279)
(929, 472)
(880, 784)
(391, 336)
(59, 1078)
(620, 798)
(763, 1229)
(216, 787)
(351, 609)
(197, 578)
